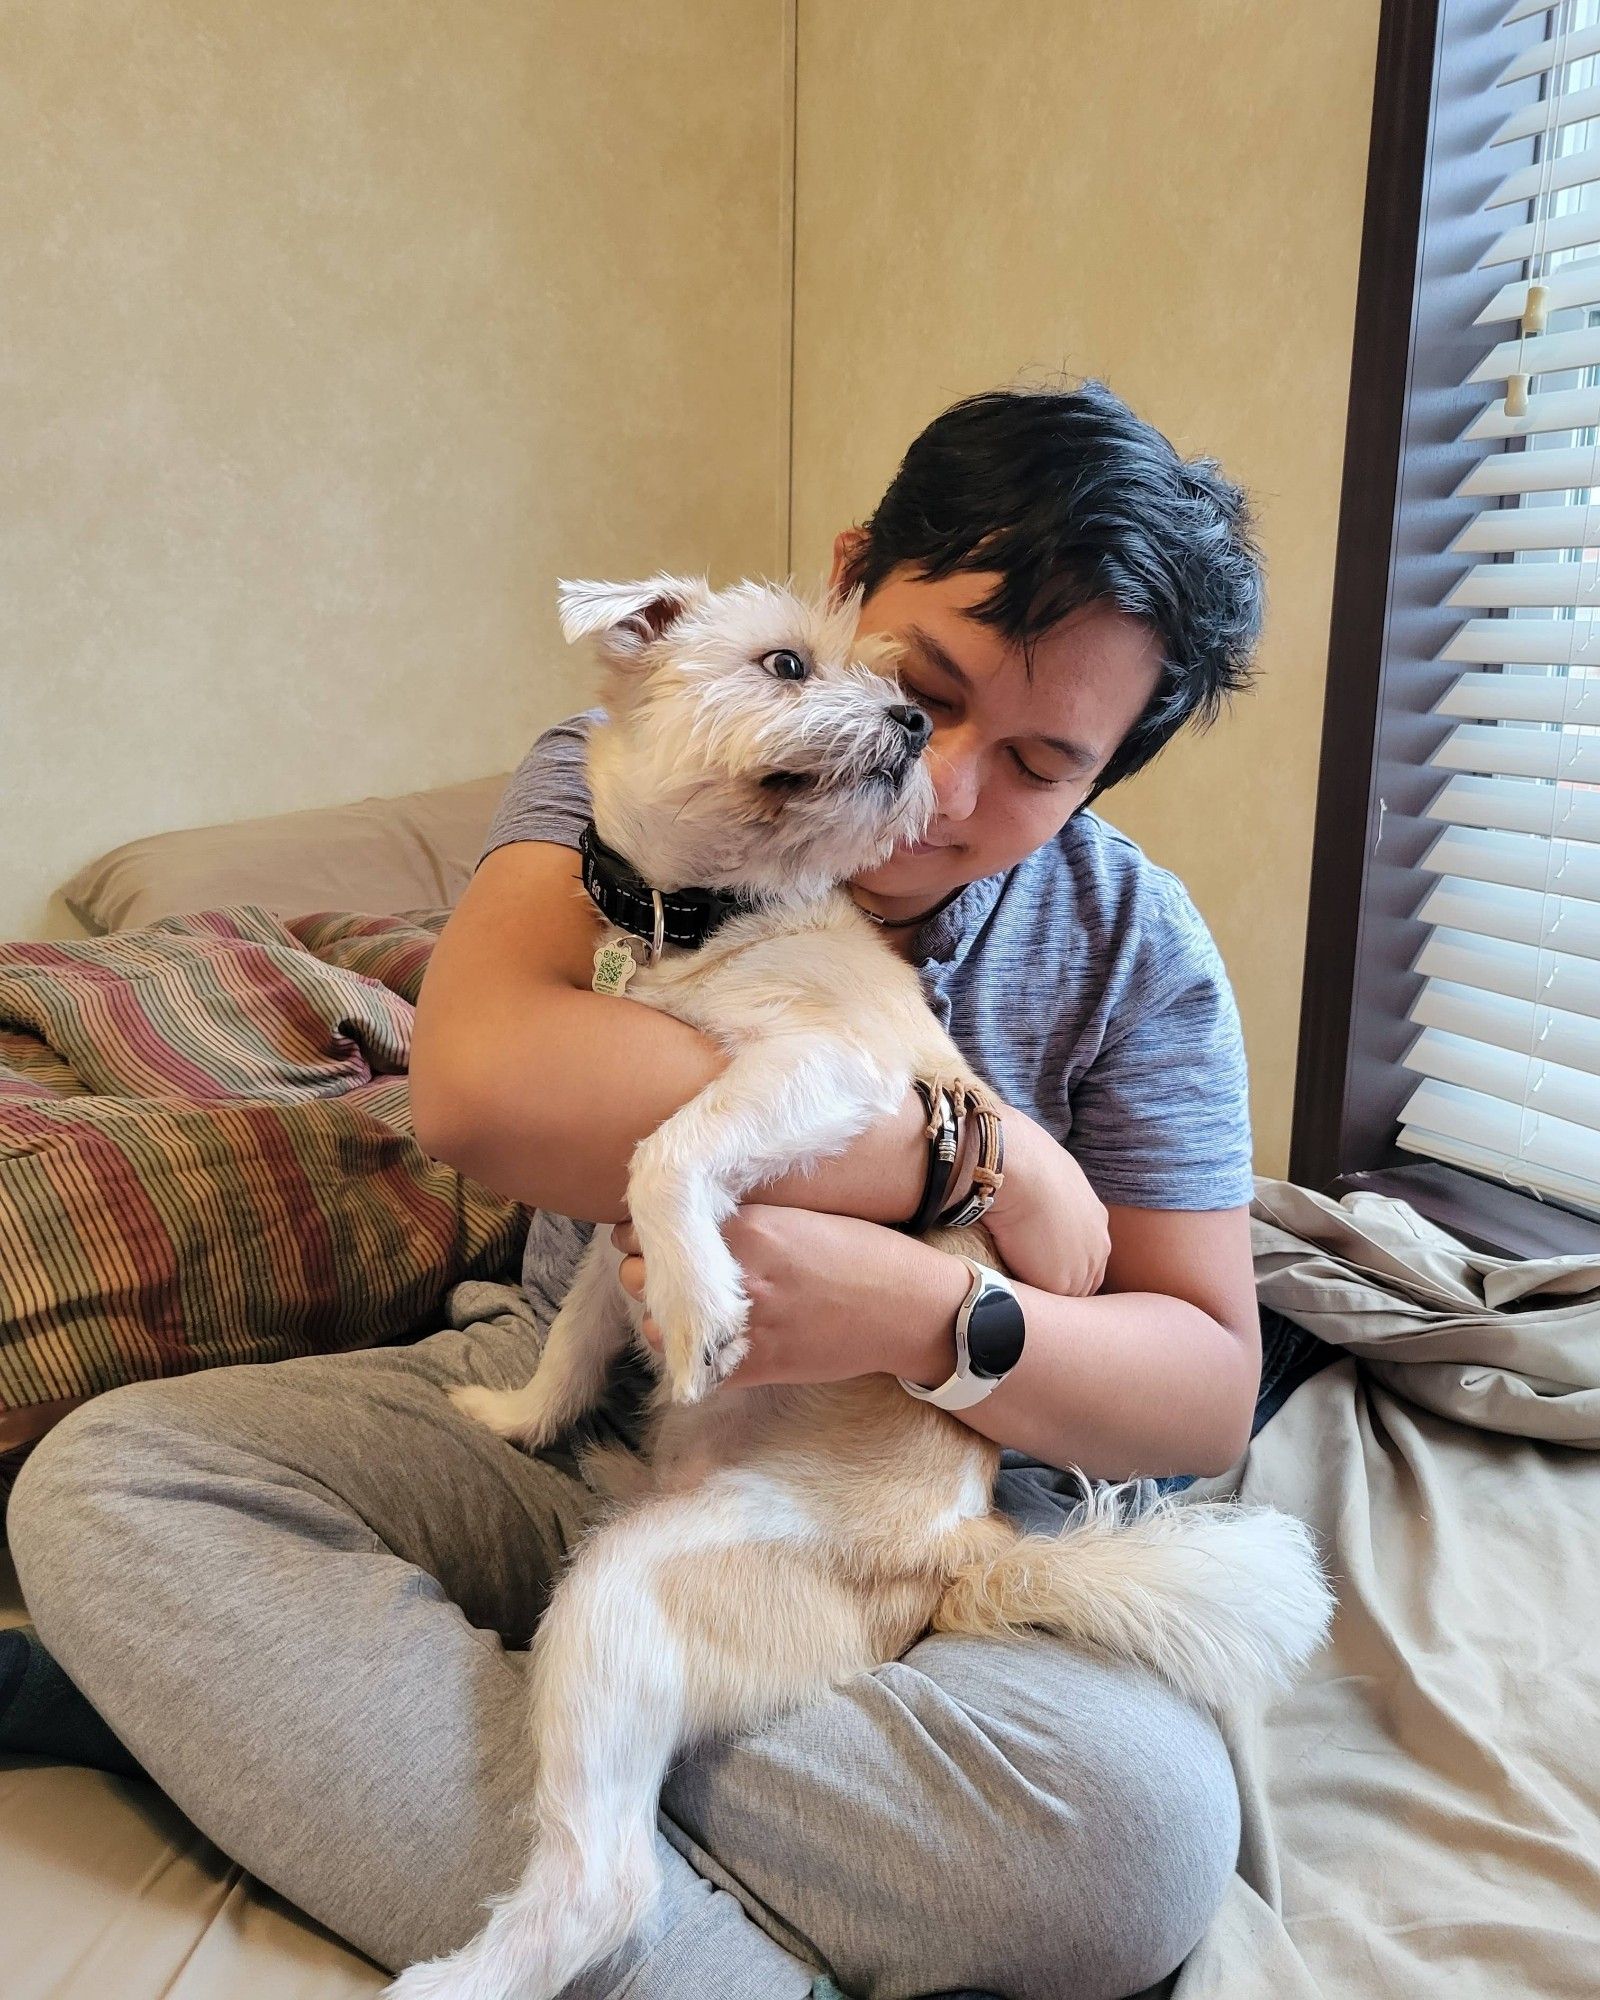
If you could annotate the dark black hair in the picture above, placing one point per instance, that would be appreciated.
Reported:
(1074, 500)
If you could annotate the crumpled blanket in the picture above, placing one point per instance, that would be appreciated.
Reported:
(1422, 1812)
(206, 1154)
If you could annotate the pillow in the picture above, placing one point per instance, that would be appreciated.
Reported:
(415, 852)
(206, 1155)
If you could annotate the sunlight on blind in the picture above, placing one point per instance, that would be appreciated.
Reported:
(1508, 1053)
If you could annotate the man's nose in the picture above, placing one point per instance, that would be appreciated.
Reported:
(953, 767)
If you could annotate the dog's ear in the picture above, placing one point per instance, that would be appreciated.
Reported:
(627, 617)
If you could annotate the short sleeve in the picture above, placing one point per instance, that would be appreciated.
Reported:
(548, 796)
(1161, 1117)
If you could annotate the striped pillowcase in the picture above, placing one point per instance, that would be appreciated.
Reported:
(206, 1155)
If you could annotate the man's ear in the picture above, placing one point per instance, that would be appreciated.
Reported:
(848, 545)
(627, 617)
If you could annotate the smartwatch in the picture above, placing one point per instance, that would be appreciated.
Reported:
(990, 1329)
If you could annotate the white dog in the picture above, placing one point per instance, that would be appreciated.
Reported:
(770, 1544)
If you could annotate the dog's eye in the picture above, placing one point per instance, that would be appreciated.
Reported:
(786, 665)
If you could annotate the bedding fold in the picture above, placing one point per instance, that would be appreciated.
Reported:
(1422, 1812)
(1497, 1343)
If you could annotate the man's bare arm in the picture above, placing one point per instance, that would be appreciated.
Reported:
(540, 1088)
(1156, 1375)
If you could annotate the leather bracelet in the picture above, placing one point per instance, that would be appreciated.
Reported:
(943, 1146)
(988, 1171)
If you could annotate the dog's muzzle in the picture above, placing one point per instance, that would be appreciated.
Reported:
(915, 723)
(917, 729)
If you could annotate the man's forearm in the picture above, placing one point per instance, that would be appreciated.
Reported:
(1122, 1384)
(571, 1086)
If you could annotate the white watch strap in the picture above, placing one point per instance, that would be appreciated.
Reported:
(962, 1389)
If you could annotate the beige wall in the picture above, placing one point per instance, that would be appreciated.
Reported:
(332, 336)
(1166, 193)
(329, 337)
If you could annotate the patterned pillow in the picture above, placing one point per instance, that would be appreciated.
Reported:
(206, 1154)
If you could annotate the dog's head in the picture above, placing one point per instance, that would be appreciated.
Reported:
(750, 742)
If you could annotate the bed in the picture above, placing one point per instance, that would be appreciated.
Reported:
(1422, 1813)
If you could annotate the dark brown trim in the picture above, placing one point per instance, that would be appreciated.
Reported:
(1386, 299)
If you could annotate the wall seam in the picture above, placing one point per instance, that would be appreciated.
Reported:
(788, 226)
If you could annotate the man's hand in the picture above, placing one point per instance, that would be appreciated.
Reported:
(1048, 1224)
(831, 1297)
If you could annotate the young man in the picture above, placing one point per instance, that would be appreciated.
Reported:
(325, 1571)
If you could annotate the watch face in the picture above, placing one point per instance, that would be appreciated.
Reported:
(995, 1330)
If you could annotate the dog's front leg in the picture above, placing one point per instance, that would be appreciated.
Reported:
(782, 1102)
(585, 1334)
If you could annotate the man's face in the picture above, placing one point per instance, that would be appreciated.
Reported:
(1002, 787)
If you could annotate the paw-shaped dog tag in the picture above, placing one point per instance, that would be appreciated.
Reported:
(614, 966)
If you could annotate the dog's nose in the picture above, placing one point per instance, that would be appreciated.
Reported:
(913, 721)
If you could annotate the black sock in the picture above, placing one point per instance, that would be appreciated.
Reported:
(42, 1714)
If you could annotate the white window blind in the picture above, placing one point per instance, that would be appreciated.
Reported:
(1507, 1054)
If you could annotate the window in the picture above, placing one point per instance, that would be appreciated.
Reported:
(1452, 997)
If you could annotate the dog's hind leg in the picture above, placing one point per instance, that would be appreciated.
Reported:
(676, 1622)
(585, 1336)
(617, 1473)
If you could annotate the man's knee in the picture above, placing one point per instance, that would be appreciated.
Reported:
(1168, 1842)
(1131, 1827)
(1004, 1816)
(69, 1516)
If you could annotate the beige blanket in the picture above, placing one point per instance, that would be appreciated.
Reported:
(1422, 1813)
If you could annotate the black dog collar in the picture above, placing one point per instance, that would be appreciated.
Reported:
(687, 917)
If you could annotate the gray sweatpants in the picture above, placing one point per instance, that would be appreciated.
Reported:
(298, 1593)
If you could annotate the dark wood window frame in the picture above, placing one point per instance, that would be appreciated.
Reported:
(1423, 230)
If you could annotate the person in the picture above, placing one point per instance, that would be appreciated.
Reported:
(301, 1594)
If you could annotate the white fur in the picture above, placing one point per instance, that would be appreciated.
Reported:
(775, 1542)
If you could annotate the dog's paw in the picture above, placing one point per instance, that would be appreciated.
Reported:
(699, 1350)
(685, 1369)
(709, 1372)
(438, 1979)
(510, 1413)
(728, 1357)
(702, 1311)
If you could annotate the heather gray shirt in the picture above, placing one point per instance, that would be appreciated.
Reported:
(1081, 983)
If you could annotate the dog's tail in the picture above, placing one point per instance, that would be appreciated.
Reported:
(1222, 1601)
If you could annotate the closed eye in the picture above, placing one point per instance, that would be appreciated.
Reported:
(1033, 776)
(922, 700)
(930, 701)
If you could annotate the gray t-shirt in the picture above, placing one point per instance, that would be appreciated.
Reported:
(1081, 983)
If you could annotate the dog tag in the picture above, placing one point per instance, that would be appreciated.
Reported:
(614, 966)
